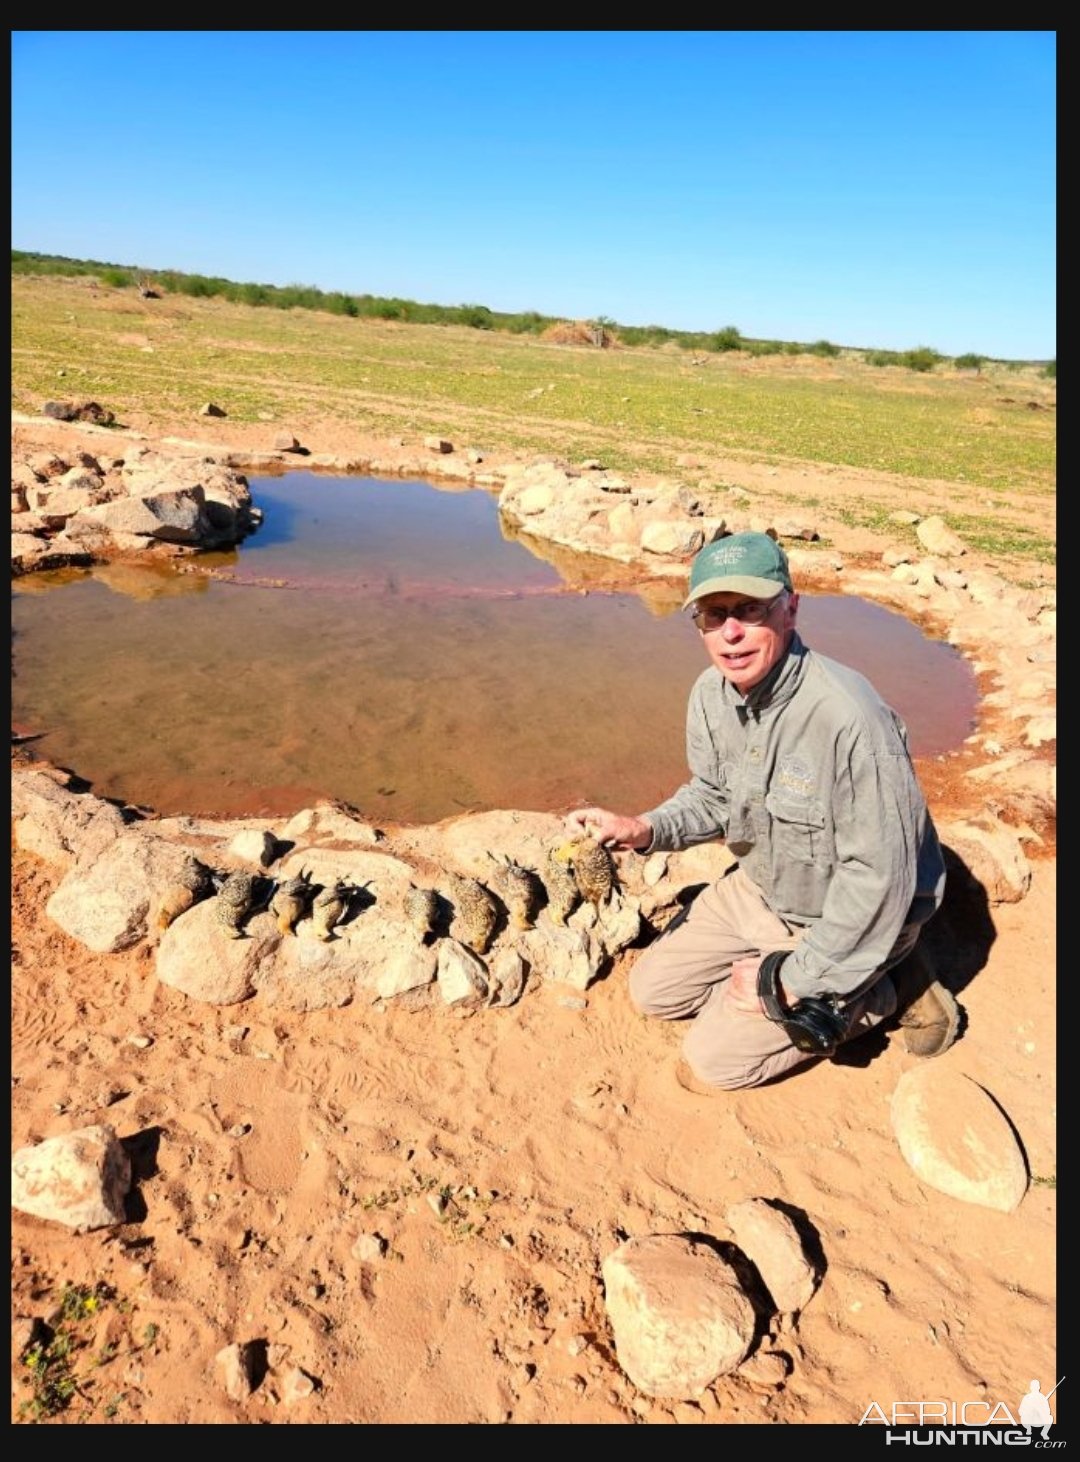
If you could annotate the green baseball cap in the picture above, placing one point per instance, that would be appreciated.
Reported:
(742, 563)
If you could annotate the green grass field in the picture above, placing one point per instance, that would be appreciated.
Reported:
(992, 434)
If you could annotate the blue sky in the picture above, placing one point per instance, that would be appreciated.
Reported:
(873, 188)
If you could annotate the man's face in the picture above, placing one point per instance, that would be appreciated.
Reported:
(744, 653)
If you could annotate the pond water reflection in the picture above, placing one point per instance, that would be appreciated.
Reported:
(389, 644)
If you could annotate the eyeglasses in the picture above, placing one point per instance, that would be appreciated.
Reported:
(749, 611)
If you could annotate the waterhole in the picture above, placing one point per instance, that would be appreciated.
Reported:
(396, 646)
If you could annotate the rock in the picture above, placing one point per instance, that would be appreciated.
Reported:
(770, 1239)
(438, 444)
(209, 409)
(57, 824)
(766, 1369)
(236, 1366)
(561, 953)
(104, 902)
(507, 977)
(991, 854)
(534, 499)
(462, 975)
(296, 1385)
(79, 1179)
(673, 539)
(369, 1247)
(678, 1314)
(956, 1138)
(254, 846)
(196, 957)
(935, 537)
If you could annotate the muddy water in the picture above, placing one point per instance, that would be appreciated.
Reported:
(389, 644)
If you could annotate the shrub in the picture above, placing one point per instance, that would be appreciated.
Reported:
(1050, 370)
(823, 347)
(478, 316)
(922, 358)
(883, 357)
(116, 278)
(969, 362)
(529, 322)
(341, 304)
(729, 338)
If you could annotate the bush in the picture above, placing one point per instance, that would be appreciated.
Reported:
(478, 316)
(823, 347)
(529, 322)
(969, 362)
(1050, 370)
(729, 338)
(116, 278)
(923, 358)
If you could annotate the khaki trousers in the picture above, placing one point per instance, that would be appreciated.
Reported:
(684, 975)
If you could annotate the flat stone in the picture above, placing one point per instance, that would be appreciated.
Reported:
(956, 1138)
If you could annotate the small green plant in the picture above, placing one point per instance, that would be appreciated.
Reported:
(50, 1363)
(1049, 370)
(460, 1208)
(970, 362)
(823, 347)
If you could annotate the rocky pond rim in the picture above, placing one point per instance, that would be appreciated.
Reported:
(1004, 770)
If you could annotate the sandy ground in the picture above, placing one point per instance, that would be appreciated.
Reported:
(265, 1144)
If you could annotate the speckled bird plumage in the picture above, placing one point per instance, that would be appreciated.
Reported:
(328, 909)
(290, 902)
(561, 887)
(475, 913)
(422, 910)
(593, 870)
(520, 890)
(235, 901)
(193, 881)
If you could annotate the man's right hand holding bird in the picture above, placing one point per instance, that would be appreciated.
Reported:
(610, 829)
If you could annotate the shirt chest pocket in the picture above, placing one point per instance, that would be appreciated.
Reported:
(798, 827)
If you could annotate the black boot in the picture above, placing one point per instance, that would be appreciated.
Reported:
(926, 1010)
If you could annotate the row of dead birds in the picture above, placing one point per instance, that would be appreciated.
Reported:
(240, 894)
(579, 869)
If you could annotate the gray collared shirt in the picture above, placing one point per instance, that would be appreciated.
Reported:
(809, 781)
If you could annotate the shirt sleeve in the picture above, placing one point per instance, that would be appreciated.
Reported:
(698, 811)
(880, 818)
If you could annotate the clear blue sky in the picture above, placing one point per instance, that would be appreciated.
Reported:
(872, 188)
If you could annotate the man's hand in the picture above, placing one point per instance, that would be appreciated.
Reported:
(610, 829)
(742, 985)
